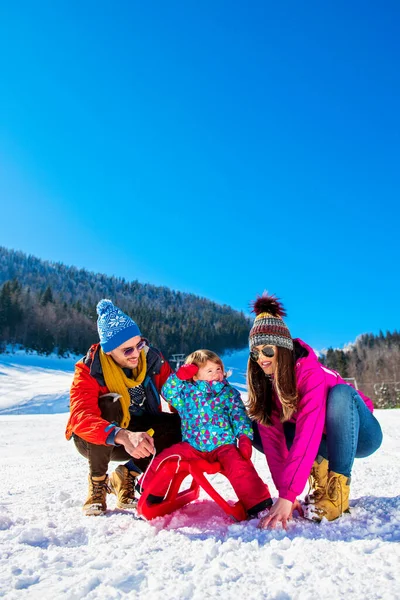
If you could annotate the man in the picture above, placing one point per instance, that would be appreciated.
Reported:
(114, 401)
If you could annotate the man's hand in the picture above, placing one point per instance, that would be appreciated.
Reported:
(281, 512)
(138, 444)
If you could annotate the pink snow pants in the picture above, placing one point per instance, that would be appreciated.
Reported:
(248, 485)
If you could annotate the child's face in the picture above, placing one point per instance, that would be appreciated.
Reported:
(210, 371)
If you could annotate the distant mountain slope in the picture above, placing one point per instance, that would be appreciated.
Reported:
(50, 306)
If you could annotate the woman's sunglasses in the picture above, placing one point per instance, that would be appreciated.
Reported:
(139, 347)
(268, 351)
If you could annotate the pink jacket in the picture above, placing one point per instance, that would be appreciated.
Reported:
(291, 468)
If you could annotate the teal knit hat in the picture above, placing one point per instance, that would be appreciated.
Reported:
(114, 326)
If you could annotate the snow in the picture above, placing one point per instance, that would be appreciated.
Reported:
(50, 550)
(30, 383)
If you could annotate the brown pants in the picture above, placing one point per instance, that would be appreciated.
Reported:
(167, 431)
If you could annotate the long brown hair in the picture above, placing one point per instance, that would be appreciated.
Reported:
(261, 388)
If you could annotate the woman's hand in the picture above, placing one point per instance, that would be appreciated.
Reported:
(281, 512)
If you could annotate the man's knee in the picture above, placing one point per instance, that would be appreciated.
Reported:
(110, 408)
(89, 450)
(81, 446)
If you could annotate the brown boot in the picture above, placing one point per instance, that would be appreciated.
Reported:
(96, 500)
(122, 484)
(317, 480)
(334, 502)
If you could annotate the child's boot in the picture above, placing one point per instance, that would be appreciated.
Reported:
(96, 501)
(317, 480)
(335, 500)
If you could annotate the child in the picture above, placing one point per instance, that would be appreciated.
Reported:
(213, 420)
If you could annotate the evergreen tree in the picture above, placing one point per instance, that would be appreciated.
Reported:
(47, 296)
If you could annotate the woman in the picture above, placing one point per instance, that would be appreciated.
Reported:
(312, 424)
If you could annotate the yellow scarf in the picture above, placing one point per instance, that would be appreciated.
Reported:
(118, 383)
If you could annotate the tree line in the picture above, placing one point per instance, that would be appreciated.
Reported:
(49, 307)
(373, 362)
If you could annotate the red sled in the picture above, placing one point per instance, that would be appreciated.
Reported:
(175, 499)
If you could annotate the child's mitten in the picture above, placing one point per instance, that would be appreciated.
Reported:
(245, 446)
(187, 371)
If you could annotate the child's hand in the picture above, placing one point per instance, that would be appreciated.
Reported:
(245, 446)
(187, 371)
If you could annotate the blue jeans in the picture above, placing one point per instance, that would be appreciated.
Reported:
(352, 431)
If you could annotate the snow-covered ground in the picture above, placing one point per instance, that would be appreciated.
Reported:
(34, 384)
(48, 549)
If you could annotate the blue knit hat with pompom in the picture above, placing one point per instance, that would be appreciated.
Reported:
(114, 326)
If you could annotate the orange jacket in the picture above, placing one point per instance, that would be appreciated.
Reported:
(88, 385)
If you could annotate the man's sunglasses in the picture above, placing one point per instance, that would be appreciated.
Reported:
(268, 351)
(139, 347)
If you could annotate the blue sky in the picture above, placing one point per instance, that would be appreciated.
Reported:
(219, 148)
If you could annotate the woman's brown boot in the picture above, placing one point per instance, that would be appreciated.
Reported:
(317, 480)
(335, 500)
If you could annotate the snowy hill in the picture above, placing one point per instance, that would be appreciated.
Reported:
(33, 384)
(50, 550)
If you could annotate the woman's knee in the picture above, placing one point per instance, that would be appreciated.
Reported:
(341, 392)
(370, 443)
(339, 400)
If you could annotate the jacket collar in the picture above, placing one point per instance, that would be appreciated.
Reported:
(211, 386)
(303, 352)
